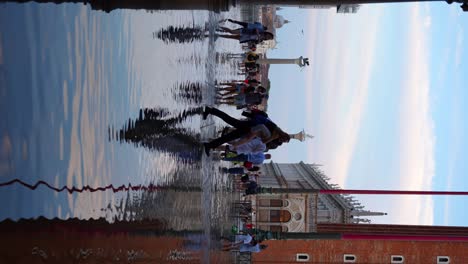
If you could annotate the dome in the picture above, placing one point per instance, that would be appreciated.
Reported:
(279, 21)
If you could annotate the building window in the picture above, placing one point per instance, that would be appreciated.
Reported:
(272, 203)
(302, 257)
(443, 259)
(397, 259)
(348, 258)
(281, 216)
(276, 203)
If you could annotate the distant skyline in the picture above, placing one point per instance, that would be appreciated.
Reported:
(384, 98)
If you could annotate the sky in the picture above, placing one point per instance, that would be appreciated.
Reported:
(384, 98)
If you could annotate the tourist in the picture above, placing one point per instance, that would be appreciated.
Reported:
(251, 57)
(255, 158)
(252, 248)
(239, 170)
(253, 146)
(250, 187)
(239, 240)
(259, 125)
(252, 81)
(257, 26)
(247, 36)
(244, 179)
(261, 89)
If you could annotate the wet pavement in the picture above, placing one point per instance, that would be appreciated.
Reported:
(94, 101)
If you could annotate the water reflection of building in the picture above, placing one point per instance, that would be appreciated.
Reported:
(301, 212)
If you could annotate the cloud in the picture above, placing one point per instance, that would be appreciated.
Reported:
(459, 47)
(416, 127)
(416, 131)
(342, 50)
(428, 21)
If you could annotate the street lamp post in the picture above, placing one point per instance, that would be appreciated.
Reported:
(301, 61)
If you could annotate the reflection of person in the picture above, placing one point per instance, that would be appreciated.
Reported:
(258, 125)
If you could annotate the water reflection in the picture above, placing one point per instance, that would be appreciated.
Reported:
(155, 129)
(108, 5)
(69, 79)
(119, 242)
(180, 34)
(189, 93)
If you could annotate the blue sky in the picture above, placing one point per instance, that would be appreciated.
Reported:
(384, 97)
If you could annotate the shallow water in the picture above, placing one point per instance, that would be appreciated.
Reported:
(72, 84)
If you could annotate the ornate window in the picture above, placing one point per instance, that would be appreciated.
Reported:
(272, 203)
(276, 203)
(280, 216)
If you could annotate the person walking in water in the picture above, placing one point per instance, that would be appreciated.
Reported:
(255, 158)
(245, 25)
(258, 125)
(248, 33)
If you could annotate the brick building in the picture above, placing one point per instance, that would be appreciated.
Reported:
(363, 243)
(346, 237)
(362, 251)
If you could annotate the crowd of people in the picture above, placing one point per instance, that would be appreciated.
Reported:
(246, 142)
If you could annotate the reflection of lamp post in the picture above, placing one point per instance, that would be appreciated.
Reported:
(301, 136)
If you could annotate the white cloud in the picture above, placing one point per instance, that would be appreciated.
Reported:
(428, 21)
(416, 133)
(342, 50)
(342, 53)
(459, 47)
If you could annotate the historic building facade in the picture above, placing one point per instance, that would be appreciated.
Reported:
(301, 212)
(331, 228)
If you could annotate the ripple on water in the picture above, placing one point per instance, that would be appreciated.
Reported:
(85, 78)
